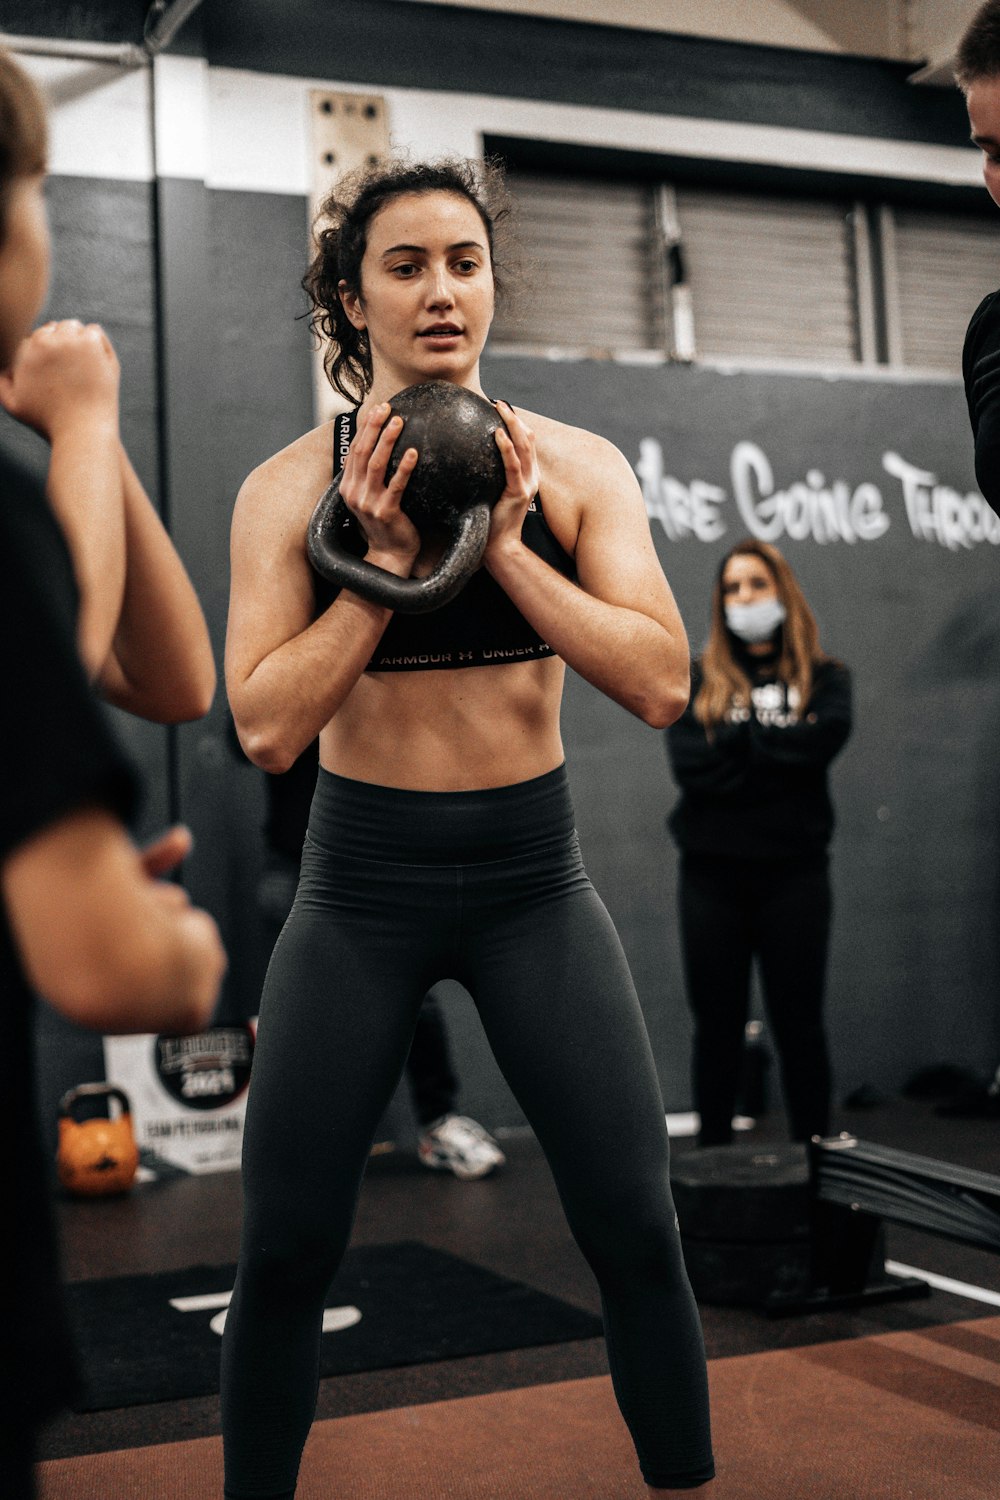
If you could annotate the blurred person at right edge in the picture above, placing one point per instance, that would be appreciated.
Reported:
(977, 73)
(769, 710)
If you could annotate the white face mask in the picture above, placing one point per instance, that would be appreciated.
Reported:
(754, 623)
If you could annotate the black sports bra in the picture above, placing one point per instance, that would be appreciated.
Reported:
(481, 627)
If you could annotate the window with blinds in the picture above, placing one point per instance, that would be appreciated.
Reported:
(779, 279)
(589, 260)
(771, 278)
(938, 268)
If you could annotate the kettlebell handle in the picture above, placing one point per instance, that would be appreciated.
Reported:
(407, 595)
(92, 1091)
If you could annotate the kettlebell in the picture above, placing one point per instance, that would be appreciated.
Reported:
(96, 1157)
(458, 479)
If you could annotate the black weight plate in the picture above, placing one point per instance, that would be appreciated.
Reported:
(742, 1194)
(741, 1275)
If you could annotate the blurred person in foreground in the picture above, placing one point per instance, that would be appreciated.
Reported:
(92, 590)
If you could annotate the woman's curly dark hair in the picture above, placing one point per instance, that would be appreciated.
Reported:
(342, 234)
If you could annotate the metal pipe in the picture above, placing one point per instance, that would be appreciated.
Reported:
(160, 34)
(125, 54)
(170, 21)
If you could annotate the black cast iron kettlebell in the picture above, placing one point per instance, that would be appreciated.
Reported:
(458, 479)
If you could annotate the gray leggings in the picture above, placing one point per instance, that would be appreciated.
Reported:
(398, 891)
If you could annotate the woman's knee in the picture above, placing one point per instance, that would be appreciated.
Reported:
(632, 1231)
(291, 1260)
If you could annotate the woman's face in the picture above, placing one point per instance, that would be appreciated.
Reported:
(24, 264)
(747, 579)
(426, 295)
(982, 98)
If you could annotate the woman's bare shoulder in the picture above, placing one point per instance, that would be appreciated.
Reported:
(572, 454)
(290, 482)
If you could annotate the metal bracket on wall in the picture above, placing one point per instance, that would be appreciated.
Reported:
(348, 131)
(678, 311)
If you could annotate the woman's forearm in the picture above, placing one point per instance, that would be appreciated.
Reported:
(282, 704)
(626, 654)
(85, 491)
(160, 663)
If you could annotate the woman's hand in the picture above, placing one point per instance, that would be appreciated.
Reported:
(393, 540)
(64, 378)
(516, 442)
(167, 852)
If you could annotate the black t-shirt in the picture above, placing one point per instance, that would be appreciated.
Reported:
(981, 370)
(57, 755)
(758, 788)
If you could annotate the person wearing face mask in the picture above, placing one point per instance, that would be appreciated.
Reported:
(769, 710)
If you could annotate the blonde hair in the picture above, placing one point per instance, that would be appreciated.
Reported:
(724, 680)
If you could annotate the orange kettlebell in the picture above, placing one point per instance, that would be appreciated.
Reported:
(96, 1157)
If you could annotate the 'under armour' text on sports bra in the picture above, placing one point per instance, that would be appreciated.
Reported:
(481, 627)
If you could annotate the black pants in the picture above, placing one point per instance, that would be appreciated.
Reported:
(17, 1461)
(398, 891)
(429, 1070)
(777, 911)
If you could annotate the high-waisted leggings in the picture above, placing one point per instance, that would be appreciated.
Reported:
(399, 890)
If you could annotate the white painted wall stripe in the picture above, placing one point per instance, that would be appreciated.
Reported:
(259, 137)
(249, 131)
(258, 121)
(182, 116)
(945, 1283)
(678, 135)
(99, 118)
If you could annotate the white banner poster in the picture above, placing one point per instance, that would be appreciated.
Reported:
(187, 1093)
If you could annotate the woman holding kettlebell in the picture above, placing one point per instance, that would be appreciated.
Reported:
(441, 840)
(769, 711)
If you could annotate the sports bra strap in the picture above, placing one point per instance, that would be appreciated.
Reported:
(344, 427)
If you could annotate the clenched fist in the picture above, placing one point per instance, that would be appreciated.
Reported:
(63, 375)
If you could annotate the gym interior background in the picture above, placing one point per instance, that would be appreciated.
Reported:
(769, 233)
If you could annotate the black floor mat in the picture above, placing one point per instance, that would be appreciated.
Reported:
(416, 1305)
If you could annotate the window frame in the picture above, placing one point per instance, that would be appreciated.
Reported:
(875, 279)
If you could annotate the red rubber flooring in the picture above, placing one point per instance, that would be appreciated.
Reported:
(898, 1416)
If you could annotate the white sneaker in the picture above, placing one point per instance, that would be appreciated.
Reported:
(460, 1145)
